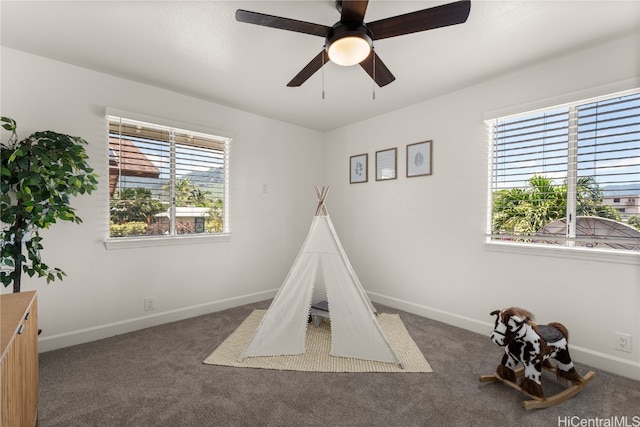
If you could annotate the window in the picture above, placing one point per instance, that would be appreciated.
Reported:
(556, 174)
(165, 181)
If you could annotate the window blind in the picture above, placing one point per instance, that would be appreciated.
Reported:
(609, 143)
(568, 175)
(165, 181)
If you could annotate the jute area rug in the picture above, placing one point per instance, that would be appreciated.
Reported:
(318, 344)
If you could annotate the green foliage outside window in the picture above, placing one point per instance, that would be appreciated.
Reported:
(214, 221)
(135, 205)
(134, 211)
(527, 210)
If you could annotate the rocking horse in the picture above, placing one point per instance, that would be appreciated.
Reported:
(533, 346)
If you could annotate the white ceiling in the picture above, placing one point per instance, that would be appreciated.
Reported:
(198, 48)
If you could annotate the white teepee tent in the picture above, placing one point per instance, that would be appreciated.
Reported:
(322, 271)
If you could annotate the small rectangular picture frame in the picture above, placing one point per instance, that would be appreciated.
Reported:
(419, 159)
(359, 168)
(386, 164)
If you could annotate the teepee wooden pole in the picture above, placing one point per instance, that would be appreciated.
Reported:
(322, 195)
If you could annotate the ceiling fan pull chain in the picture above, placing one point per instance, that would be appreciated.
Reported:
(373, 84)
(323, 51)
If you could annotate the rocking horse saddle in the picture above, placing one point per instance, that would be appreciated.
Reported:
(550, 333)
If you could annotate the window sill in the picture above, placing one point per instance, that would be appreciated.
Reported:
(147, 242)
(579, 253)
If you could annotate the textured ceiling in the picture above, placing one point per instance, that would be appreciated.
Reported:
(198, 48)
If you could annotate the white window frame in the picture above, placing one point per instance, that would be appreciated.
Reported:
(567, 251)
(178, 239)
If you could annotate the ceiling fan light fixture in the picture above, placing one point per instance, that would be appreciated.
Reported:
(350, 50)
(349, 45)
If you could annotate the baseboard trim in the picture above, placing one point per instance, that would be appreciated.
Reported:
(82, 336)
(606, 362)
(596, 359)
(463, 322)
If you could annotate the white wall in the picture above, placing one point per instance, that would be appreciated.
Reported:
(418, 243)
(104, 291)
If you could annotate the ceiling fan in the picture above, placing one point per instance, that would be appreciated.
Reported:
(350, 40)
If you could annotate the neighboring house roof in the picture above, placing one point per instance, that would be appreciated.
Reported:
(591, 230)
(125, 159)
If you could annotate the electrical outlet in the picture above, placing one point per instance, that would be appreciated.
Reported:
(148, 304)
(623, 342)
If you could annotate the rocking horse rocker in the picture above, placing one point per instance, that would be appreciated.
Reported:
(533, 346)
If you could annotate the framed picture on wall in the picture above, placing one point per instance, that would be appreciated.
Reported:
(358, 168)
(419, 159)
(386, 163)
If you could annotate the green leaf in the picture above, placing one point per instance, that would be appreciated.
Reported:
(16, 153)
(10, 124)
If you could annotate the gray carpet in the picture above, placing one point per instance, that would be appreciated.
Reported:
(155, 377)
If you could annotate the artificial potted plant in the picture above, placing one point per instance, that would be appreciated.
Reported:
(38, 175)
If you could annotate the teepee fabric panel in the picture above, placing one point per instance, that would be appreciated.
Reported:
(354, 329)
(284, 326)
(347, 264)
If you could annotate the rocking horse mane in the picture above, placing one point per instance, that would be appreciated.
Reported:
(519, 312)
(530, 319)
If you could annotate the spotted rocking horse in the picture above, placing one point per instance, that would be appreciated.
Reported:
(533, 346)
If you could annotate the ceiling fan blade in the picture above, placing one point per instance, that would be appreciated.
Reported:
(382, 76)
(314, 65)
(353, 11)
(422, 20)
(282, 23)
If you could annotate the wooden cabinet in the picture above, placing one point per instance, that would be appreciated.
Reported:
(19, 359)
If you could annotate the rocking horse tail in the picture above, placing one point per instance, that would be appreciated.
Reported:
(571, 375)
(563, 330)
